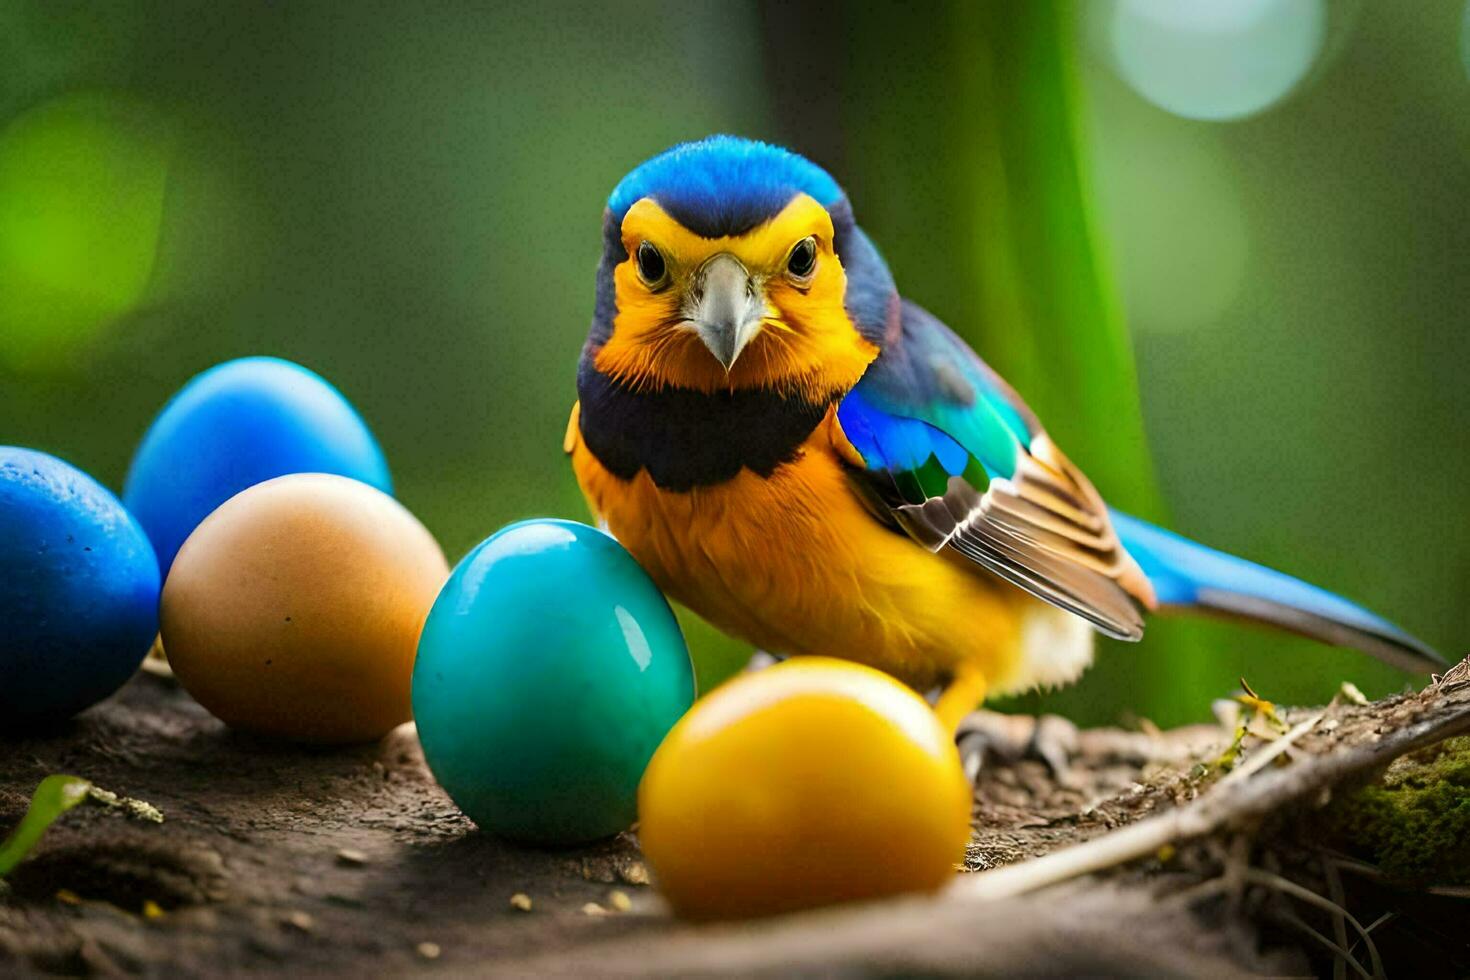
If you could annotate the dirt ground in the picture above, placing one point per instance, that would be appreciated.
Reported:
(313, 861)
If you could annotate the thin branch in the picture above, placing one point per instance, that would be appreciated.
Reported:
(1286, 885)
(1240, 803)
(1339, 923)
(1264, 758)
(1385, 917)
(1342, 958)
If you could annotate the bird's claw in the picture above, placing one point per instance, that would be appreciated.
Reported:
(1008, 739)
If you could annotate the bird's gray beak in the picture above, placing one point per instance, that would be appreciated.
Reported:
(724, 306)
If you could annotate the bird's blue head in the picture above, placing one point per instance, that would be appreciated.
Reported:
(723, 186)
(728, 263)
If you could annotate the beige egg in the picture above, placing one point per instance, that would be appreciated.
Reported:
(295, 609)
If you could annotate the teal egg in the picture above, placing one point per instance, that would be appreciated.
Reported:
(549, 670)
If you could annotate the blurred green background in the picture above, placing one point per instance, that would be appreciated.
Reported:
(1240, 229)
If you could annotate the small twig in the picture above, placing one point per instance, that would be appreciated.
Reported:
(1342, 958)
(1344, 863)
(1341, 862)
(1269, 880)
(1385, 917)
(1264, 758)
(1260, 707)
(1199, 892)
(1237, 862)
(1339, 924)
(1234, 877)
(1456, 676)
(1239, 802)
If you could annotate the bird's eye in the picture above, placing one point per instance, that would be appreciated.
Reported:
(651, 266)
(803, 258)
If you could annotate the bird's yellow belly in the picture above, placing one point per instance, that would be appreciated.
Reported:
(795, 564)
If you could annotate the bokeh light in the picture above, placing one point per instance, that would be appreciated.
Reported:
(1204, 59)
(81, 202)
(1184, 243)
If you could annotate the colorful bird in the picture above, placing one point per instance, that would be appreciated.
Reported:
(817, 465)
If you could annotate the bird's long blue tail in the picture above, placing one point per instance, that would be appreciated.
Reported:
(1188, 576)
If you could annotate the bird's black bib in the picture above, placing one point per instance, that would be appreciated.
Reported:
(686, 438)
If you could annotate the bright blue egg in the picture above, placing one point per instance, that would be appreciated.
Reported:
(238, 424)
(78, 590)
(549, 670)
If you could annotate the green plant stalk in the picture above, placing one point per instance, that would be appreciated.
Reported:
(1052, 321)
(53, 797)
(965, 135)
(962, 138)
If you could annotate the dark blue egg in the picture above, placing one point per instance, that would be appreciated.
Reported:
(238, 424)
(78, 590)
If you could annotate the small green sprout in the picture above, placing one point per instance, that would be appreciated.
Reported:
(55, 796)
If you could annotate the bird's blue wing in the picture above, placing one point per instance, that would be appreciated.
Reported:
(952, 455)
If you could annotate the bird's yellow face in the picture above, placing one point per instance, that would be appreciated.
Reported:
(763, 309)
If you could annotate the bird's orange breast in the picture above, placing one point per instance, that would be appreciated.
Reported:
(795, 563)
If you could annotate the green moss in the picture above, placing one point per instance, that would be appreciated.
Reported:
(1415, 823)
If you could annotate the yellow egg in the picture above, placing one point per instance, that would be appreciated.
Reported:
(812, 782)
(294, 609)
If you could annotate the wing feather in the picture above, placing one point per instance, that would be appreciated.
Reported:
(961, 464)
